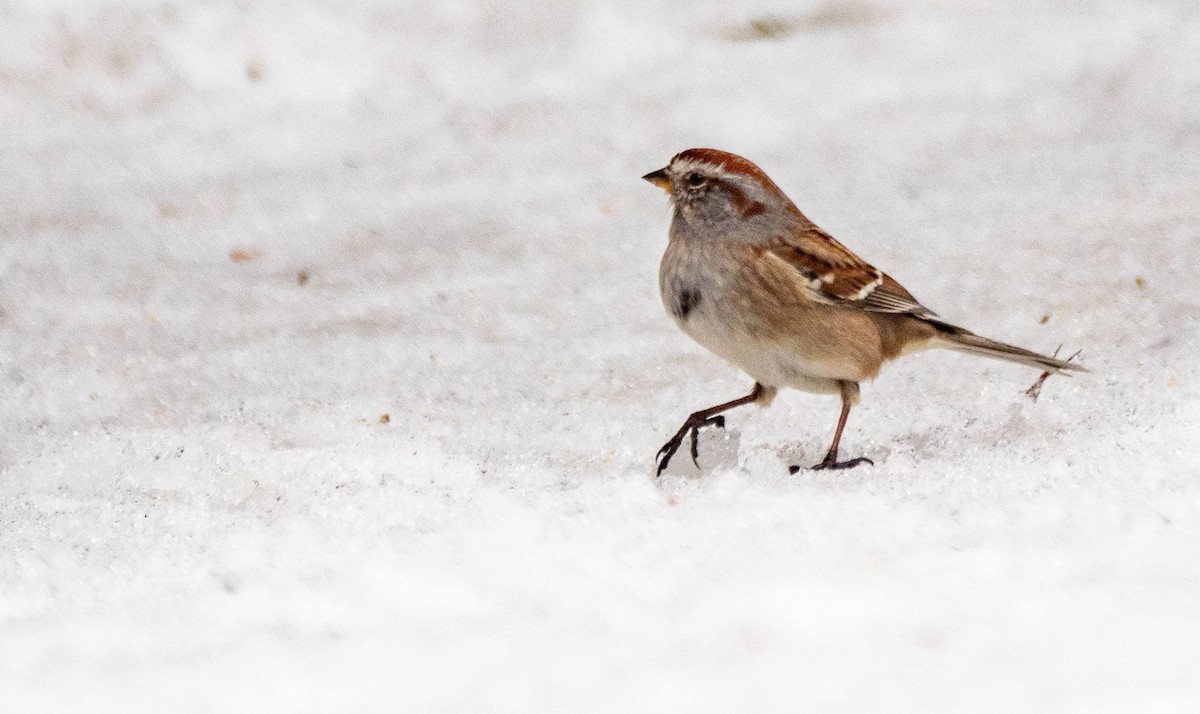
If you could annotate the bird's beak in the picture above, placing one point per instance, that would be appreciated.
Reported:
(659, 178)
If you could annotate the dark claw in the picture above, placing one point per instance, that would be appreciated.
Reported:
(832, 463)
(829, 463)
(691, 428)
(667, 451)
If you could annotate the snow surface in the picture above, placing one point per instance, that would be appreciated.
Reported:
(202, 509)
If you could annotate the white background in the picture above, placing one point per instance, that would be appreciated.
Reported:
(200, 509)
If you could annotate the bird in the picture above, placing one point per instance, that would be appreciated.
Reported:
(753, 280)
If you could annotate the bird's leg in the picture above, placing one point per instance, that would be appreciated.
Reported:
(702, 418)
(830, 461)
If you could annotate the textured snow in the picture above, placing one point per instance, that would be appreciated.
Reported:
(333, 362)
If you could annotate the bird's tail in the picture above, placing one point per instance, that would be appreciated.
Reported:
(956, 338)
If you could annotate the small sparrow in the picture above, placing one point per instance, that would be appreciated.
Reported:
(750, 278)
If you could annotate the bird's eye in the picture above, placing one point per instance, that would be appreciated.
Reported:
(695, 180)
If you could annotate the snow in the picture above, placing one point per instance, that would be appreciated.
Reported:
(204, 508)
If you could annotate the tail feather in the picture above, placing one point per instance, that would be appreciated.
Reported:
(956, 338)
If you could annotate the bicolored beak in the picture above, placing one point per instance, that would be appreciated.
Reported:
(659, 178)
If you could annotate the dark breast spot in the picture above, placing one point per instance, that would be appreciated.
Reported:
(686, 300)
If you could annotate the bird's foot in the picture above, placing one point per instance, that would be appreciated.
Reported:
(831, 462)
(692, 426)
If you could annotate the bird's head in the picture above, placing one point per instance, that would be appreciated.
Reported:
(708, 186)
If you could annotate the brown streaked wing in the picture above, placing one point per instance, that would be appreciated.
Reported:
(834, 275)
(891, 296)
